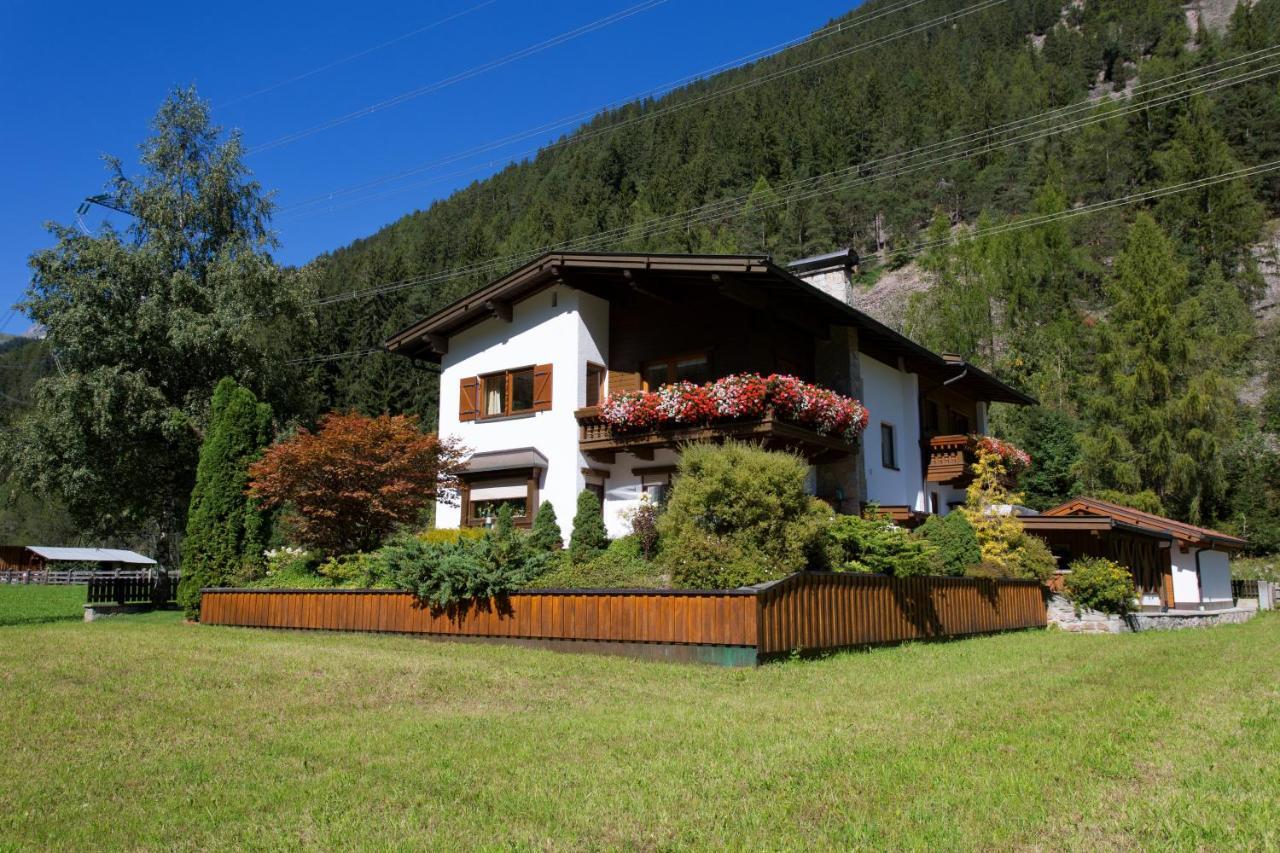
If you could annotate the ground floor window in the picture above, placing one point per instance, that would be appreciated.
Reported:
(483, 498)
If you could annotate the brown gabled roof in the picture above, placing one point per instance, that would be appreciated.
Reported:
(1186, 534)
(427, 338)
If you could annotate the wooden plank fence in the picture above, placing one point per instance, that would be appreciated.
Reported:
(157, 591)
(809, 611)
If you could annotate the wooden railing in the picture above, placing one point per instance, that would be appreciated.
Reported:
(78, 576)
(949, 459)
(157, 591)
(808, 611)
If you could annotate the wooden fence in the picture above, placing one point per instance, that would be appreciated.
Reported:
(157, 591)
(69, 576)
(810, 611)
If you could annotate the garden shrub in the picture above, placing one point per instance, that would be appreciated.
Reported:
(360, 570)
(290, 568)
(620, 566)
(955, 539)
(226, 529)
(1007, 549)
(545, 535)
(589, 537)
(739, 515)
(644, 525)
(873, 543)
(1100, 584)
(445, 573)
(450, 535)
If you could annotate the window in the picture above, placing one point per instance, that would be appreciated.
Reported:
(935, 503)
(595, 384)
(486, 497)
(596, 489)
(888, 447)
(932, 417)
(693, 368)
(655, 484)
(507, 393)
(959, 423)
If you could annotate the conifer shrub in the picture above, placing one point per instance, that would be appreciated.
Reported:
(589, 537)
(545, 534)
(955, 540)
(872, 543)
(739, 515)
(620, 566)
(1100, 584)
(443, 574)
(450, 535)
(226, 529)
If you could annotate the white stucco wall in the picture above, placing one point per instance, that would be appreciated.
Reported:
(1186, 586)
(622, 488)
(559, 326)
(892, 396)
(1215, 576)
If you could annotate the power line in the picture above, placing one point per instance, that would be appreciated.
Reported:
(812, 187)
(1016, 225)
(580, 117)
(358, 55)
(475, 71)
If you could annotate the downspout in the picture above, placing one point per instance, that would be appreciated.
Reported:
(956, 378)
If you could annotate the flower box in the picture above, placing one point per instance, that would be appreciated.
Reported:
(742, 396)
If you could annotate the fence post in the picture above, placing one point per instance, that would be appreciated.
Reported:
(1266, 595)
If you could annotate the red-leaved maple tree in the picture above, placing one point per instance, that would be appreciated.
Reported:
(349, 484)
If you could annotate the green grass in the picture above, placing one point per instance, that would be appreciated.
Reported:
(29, 604)
(147, 732)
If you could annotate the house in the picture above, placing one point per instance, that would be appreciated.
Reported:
(526, 361)
(1176, 566)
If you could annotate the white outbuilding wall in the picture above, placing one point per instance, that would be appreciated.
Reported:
(1201, 576)
(1215, 577)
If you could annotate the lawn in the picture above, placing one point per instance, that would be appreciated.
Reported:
(146, 732)
(30, 604)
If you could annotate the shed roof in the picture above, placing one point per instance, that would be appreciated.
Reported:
(602, 272)
(1186, 534)
(89, 555)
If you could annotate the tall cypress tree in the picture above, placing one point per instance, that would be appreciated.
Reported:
(1160, 417)
(225, 527)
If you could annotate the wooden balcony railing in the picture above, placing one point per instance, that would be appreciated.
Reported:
(949, 459)
(600, 441)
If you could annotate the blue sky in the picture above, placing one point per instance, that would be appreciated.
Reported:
(79, 80)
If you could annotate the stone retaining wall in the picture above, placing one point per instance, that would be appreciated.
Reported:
(1062, 613)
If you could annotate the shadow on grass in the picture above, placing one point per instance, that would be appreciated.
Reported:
(45, 619)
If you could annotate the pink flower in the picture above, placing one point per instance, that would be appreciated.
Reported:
(1016, 460)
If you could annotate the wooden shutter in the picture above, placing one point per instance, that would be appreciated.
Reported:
(624, 380)
(469, 399)
(542, 388)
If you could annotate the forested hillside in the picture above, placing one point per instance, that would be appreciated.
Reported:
(1033, 303)
(1133, 323)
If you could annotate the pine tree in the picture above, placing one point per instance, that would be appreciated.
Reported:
(1215, 222)
(545, 535)
(225, 528)
(1159, 419)
(589, 537)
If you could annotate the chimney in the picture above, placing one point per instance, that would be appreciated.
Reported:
(952, 358)
(831, 273)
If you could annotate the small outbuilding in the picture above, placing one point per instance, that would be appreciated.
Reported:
(43, 558)
(1176, 566)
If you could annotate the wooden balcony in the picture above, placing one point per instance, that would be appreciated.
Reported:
(949, 459)
(601, 442)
